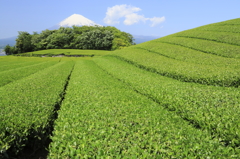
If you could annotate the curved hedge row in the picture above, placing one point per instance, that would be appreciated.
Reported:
(27, 108)
(181, 70)
(102, 118)
(215, 109)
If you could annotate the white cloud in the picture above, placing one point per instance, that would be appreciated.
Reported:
(115, 13)
(133, 18)
(118, 11)
(156, 20)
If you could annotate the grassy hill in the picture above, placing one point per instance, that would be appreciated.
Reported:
(207, 55)
(173, 97)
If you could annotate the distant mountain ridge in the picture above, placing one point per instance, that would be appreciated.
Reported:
(7, 41)
(142, 38)
(2, 53)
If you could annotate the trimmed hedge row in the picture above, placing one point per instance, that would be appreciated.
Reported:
(215, 109)
(102, 118)
(27, 108)
(181, 70)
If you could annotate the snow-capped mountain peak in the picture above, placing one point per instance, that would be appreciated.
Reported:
(78, 20)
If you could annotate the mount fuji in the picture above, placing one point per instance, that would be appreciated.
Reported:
(75, 19)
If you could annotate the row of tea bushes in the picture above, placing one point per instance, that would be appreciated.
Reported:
(21, 72)
(204, 46)
(215, 109)
(221, 28)
(222, 37)
(225, 26)
(102, 118)
(173, 49)
(28, 107)
(181, 70)
(16, 64)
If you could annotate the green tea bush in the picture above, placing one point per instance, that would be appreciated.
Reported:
(215, 109)
(102, 118)
(181, 70)
(21, 72)
(27, 108)
(202, 46)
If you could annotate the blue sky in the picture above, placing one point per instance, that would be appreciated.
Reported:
(152, 17)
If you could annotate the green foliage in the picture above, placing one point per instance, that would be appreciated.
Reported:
(174, 49)
(222, 37)
(23, 42)
(118, 43)
(66, 52)
(121, 39)
(27, 108)
(85, 37)
(22, 71)
(185, 71)
(60, 39)
(103, 118)
(94, 39)
(215, 109)
(225, 26)
(199, 55)
(40, 40)
(205, 46)
(9, 50)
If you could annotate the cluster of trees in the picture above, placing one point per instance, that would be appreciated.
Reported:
(84, 37)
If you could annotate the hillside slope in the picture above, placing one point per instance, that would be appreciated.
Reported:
(208, 55)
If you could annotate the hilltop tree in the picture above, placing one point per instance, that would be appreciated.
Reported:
(23, 42)
(60, 39)
(121, 39)
(9, 50)
(39, 41)
(95, 39)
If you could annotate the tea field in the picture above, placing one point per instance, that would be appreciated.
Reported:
(173, 97)
(65, 52)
